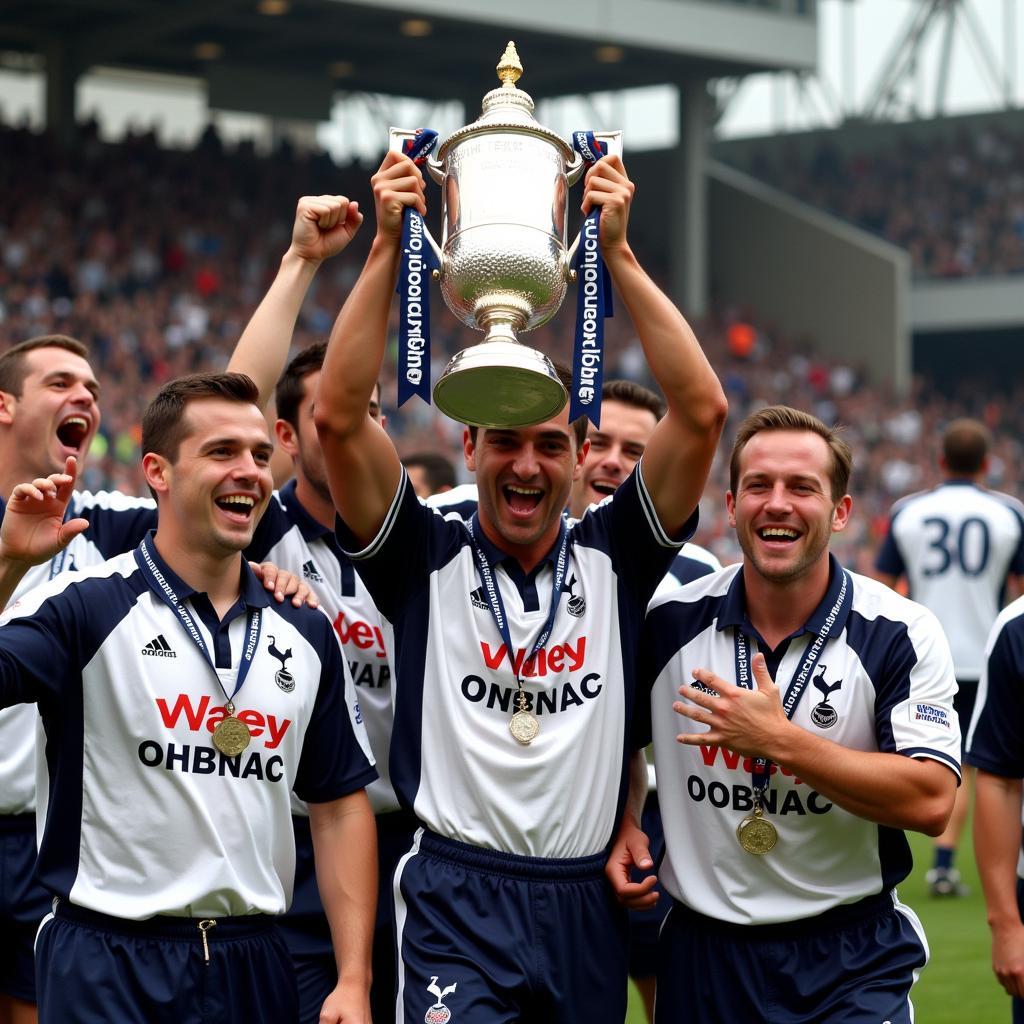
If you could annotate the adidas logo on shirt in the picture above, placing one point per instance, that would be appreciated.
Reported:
(310, 572)
(159, 648)
(478, 599)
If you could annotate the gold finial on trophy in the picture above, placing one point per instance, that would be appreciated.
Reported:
(509, 67)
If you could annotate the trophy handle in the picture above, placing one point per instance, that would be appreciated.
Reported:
(573, 172)
(396, 140)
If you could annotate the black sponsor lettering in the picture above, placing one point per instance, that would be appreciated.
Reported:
(547, 699)
(590, 691)
(500, 695)
(254, 766)
(569, 696)
(741, 798)
(199, 760)
(473, 688)
(374, 677)
(151, 754)
(718, 794)
(204, 760)
(817, 804)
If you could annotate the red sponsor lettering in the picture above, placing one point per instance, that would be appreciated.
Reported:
(201, 715)
(548, 659)
(731, 761)
(360, 634)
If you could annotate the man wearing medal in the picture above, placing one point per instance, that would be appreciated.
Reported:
(802, 718)
(514, 639)
(173, 747)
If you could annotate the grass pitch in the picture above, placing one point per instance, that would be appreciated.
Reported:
(958, 984)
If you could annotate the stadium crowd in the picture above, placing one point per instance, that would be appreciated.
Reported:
(155, 258)
(955, 204)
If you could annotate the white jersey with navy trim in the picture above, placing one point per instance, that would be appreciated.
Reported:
(995, 739)
(116, 523)
(290, 537)
(143, 815)
(883, 682)
(956, 544)
(454, 763)
(690, 564)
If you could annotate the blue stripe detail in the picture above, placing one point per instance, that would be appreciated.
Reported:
(934, 755)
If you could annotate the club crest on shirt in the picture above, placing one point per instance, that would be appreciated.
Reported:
(577, 604)
(282, 676)
(823, 715)
(438, 1013)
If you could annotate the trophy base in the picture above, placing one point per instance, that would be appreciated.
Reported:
(500, 384)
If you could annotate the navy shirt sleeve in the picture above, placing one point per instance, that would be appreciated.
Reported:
(412, 543)
(997, 737)
(332, 763)
(889, 560)
(626, 526)
(117, 523)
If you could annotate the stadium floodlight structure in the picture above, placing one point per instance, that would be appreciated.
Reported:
(893, 92)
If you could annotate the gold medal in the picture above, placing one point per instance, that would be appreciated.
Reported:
(756, 834)
(524, 727)
(231, 735)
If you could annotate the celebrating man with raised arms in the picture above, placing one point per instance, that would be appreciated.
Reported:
(509, 696)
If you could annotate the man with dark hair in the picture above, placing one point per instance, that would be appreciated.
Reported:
(429, 473)
(48, 412)
(514, 636)
(166, 842)
(784, 817)
(959, 546)
(297, 532)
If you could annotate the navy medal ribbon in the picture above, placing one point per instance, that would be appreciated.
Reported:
(417, 265)
(497, 606)
(159, 585)
(593, 301)
(760, 772)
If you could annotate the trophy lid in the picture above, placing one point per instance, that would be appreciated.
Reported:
(507, 107)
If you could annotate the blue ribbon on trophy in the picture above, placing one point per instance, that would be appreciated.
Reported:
(593, 302)
(418, 264)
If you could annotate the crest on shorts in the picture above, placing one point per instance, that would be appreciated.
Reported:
(439, 1013)
(823, 715)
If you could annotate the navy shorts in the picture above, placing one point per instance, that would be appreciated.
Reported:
(644, 925)
(1018, 1004)
(23, 904)
(491, 938)
(308, 936)
(851, 965)
(94, 969)
(963, 705)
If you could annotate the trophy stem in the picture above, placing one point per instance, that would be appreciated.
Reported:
(500, 323)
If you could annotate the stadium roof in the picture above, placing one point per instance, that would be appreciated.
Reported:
(372, 47)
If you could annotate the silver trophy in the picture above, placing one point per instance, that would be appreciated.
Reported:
(505, 265)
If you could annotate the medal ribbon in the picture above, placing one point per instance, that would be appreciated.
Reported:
(593, 301)
(159, 585)
(760, 772)
(418, 262)
(497, 606)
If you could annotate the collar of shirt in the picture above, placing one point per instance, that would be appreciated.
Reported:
(733, 613)
(251, 592)
(309, 528)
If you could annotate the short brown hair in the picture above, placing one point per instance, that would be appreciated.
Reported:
(291, 388)
(965, 446)
(12, 363)
(784, 417)
(163, 424)
(579, 425)
(628, 392)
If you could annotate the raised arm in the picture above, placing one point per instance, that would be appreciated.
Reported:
(324, 225)
(33, 529)
(363, 468)
(678, 456)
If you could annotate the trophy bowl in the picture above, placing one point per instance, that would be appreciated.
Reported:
(504, 264)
